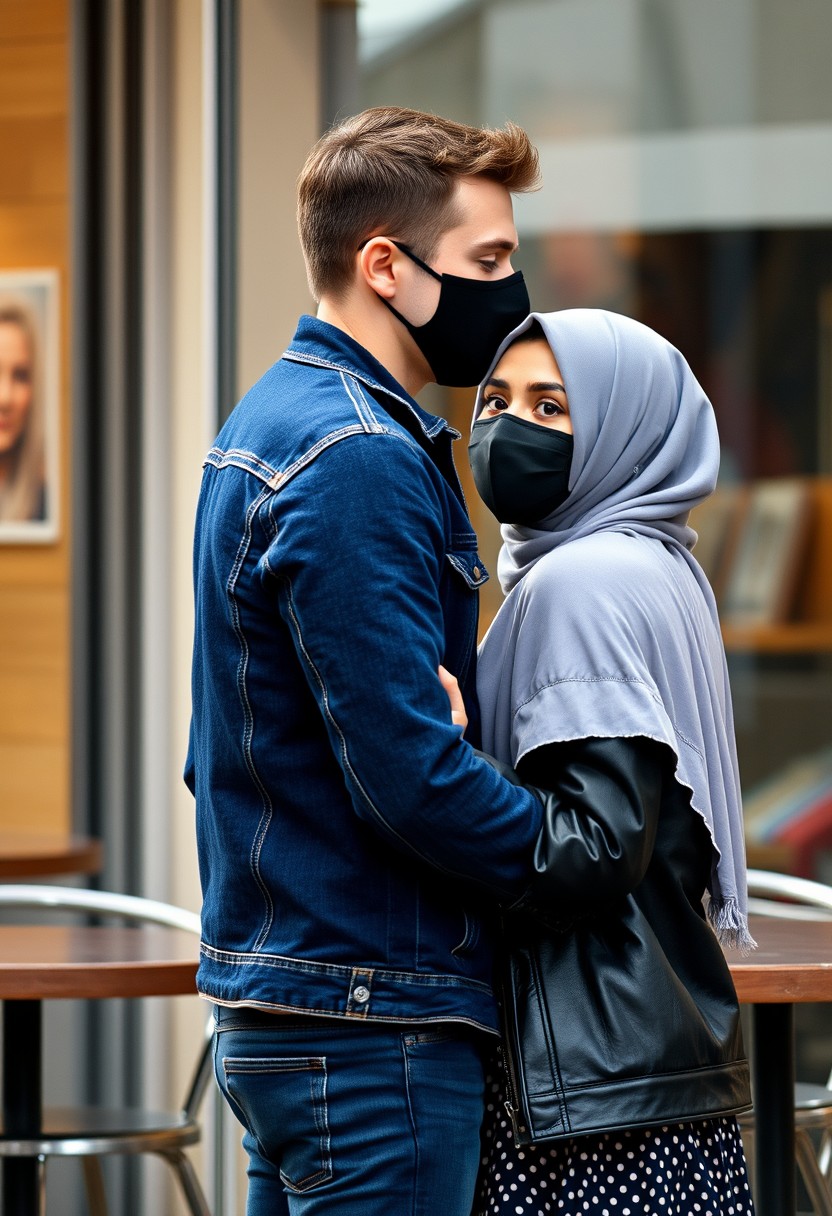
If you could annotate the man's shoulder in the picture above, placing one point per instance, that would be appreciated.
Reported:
(313, 421)
(295, 411)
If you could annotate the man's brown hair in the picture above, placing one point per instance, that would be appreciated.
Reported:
(392, 171)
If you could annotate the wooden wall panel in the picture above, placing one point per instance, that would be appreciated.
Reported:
(35, 579)
(34, 20)
(35, 781)
(33, 78)
(36, 663)
(35, 157)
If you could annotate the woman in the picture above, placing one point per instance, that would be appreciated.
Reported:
(603, 679)
(21, 435)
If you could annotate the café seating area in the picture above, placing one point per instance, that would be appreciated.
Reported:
(59, 942)
(125, 947)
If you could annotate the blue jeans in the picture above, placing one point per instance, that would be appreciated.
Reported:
(354, 1118)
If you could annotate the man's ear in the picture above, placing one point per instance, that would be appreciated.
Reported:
(378, 263)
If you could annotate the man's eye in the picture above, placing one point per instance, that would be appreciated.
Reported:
(489, 265)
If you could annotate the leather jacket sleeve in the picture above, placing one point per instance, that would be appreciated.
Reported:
(601, 801)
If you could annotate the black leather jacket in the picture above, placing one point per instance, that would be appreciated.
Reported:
(619, 1007)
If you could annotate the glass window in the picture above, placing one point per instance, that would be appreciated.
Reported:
(687, 181)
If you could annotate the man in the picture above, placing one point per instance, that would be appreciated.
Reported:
(349, 840)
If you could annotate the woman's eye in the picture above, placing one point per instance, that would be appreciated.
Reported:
(494, 403)
(550, 409)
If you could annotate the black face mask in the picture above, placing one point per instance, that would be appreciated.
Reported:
(471, 320)
(521, 470)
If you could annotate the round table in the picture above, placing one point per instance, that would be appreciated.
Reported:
(25, 855)
(792, 965)
(51, 962)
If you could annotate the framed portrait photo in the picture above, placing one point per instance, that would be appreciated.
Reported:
(768, 557)
(29, 406)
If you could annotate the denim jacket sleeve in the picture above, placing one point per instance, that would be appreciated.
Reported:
(358, 553)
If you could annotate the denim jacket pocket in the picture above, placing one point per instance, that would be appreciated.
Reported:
(468, 563)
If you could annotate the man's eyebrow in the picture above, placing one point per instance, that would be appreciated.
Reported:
(498, 243)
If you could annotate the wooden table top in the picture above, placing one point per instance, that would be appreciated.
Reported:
(26, 855)
(59, 961)
(792, 962)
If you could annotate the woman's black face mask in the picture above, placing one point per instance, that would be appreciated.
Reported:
(521, 469)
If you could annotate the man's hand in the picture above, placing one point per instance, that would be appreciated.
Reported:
(449, 683)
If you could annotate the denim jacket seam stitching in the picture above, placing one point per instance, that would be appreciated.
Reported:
(360, 402)
(219, 458)
(335, 971)
(316, 361)
(272, 526)
(355, 402)
(320, 446)
(248, 715)
(277, 480)
(375, 423)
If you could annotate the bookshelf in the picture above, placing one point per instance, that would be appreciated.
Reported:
(808, 628)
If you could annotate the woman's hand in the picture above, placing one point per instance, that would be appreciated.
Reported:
(449, 683)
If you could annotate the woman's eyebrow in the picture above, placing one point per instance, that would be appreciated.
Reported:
(544, 386)
(498, 383)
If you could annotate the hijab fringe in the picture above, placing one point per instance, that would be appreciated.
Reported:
(730, 925)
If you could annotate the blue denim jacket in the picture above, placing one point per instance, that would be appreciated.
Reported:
(349, 840)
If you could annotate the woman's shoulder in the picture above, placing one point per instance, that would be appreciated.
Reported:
(602, 560)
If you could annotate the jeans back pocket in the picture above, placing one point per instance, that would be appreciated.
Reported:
(281, 1101)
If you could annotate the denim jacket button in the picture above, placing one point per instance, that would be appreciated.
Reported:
(361, 994)
(477, 572)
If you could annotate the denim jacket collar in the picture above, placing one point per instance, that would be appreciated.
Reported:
(323, 345)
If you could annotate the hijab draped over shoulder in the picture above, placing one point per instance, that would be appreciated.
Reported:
(609, 628)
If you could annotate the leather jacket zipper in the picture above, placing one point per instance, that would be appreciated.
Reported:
(511, 1102)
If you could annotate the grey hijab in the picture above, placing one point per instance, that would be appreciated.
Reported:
(609, 628)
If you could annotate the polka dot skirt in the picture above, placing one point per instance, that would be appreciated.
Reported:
(684, 1169)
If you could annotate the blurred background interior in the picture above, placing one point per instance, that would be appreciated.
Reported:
(148, 155)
